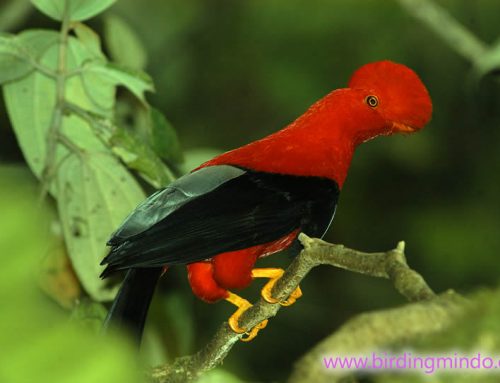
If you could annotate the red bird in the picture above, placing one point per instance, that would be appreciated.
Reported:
(254, 201)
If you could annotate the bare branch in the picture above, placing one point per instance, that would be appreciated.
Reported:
(391, 264)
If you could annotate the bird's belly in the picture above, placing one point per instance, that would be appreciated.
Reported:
(233, 270)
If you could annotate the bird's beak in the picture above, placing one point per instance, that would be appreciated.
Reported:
(402, 128)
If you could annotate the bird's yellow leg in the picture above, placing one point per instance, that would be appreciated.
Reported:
(243, 305)
(274, 274)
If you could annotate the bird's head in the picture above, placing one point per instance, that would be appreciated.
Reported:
(395, 93)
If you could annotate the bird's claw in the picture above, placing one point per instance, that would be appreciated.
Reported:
(254, 331)
(296, 294)
(243, 305)
(275, 275)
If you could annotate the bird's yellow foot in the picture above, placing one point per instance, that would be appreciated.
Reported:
(243, 305)
(274, 274)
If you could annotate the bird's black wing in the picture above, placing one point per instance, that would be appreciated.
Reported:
(219, 209)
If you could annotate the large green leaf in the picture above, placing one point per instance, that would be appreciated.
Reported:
(30, 115)
(77, 9)
(94, 191)
(123, 44)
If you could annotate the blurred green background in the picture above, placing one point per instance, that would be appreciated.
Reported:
(229, 72)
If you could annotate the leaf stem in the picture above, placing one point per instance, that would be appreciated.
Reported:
(42, 69)
(58, 113)
(75, 72)
(70, 145)
(36, 65)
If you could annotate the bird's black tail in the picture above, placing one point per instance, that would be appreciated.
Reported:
(130, 307)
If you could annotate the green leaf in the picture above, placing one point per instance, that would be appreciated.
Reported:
(130, 148)
(164, 138)
(37, 41)
(135, 81)
(19, 54)
(139, 156)
(14, 63)
(90, 39)
(78, 10)
(30, 115)
(100, 92)
(95, 194)
(123, 44)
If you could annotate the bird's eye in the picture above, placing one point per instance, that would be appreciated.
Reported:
(372, 101)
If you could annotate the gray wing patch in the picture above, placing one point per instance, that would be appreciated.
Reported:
(164, 202)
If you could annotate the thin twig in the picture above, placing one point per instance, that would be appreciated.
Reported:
(391, 265)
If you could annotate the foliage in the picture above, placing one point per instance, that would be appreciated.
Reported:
(38, 342)
(60, 92)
